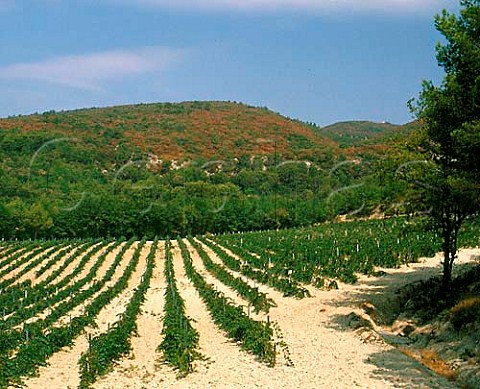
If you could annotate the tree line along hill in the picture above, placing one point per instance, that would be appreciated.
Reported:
(193, 167)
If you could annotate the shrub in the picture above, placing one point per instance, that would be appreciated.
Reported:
(465, 312)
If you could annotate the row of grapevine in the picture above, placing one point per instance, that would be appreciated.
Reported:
(45, 294)
(13, 292)
(334, 251)
(259, 300)
(25, 349)
(180, 342)
(82, 245)
(58, 251)
(469, 234)
(19, 259)
(15, 251)
(29, 347)
(254, 336)
(108, 347)
(253, 268)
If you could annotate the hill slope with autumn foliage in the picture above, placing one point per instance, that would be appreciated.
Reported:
(190, 130)
(179, 168)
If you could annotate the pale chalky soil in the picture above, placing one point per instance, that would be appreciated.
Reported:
(326, 353)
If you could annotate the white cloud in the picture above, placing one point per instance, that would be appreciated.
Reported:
(306, 5)
(91, 70)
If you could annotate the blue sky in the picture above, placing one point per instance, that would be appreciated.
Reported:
(315, 60)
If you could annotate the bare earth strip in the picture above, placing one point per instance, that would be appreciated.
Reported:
(271, 292)
(22, 265)
(254, 284)
(138, 370)
(261, 287)
(222, 355)
(220, 370)
(30, 275)
(5, 258)
(69, 268)
(100, 273)
(3, 249)
(240, 260)
(63, 371)
(218, 285)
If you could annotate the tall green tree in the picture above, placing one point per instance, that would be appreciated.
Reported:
(37, 220)
(451, 116)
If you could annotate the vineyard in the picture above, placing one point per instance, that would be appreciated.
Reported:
(143, 312)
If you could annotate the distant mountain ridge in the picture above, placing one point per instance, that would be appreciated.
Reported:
(352, 133)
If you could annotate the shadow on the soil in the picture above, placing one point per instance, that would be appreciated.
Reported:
(383, 297)
(384, 293)
(404, 372)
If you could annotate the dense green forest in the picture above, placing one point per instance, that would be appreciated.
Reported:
(190, 168)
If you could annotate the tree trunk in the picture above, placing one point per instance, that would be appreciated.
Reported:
(448, 255)
(450, 235)
(447, 272)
